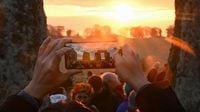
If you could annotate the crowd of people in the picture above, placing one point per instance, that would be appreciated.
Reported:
(129, 89)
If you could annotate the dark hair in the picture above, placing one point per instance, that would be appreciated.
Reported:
(95, 82)
(89, 73)
(71, 106)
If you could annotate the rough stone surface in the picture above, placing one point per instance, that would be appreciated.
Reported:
(22, 29)
(186, 66)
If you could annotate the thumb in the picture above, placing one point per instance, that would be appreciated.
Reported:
(72, 72)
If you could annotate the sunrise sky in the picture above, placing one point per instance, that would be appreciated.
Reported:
(80, 14)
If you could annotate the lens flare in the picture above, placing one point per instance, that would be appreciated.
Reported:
(181, 44)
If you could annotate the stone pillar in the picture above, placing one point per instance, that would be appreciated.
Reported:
(186, 65)
(22, 30)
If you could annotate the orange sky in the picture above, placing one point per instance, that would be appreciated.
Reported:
(79, 14)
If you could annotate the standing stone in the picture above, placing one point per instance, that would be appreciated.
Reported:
(22, 30)
(186, 66)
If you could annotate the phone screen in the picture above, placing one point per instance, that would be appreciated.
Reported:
(90, 55)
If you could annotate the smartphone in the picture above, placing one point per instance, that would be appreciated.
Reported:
(91, 55)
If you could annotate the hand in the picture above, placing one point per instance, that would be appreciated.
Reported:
(47, 75)
(128, 68)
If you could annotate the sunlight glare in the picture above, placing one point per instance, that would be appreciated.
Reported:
(124, 13)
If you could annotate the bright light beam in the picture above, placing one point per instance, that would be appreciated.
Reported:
(124, 13)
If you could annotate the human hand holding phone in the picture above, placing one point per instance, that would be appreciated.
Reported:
(47, 75)
(128, 68)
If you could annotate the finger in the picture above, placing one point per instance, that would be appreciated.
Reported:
(62, 43)
(72, 72)
(67, 75)
(127, 51)
(44, 46)
(138, 57)
(129, 58)
(63, 51)
(113, 53)
(118, 59)
(58, 55)
(57, 44)
(124, 62)
(50, 46)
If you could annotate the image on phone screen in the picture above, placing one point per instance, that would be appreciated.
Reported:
(90, 55)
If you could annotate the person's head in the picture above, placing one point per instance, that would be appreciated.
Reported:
(95, 82)
(89, 73)
(110, 80)
(81, 92)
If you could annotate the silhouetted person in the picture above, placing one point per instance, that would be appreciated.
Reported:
(96, 83)
(89, 74)
(107, 100)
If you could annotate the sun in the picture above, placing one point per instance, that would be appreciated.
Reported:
(124, 13)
